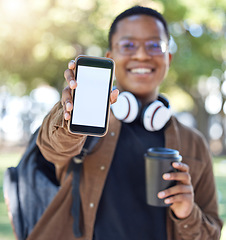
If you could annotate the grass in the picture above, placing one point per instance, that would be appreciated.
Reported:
(220, 177)
(11, 159)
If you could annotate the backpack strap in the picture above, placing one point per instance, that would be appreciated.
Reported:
(76, 167)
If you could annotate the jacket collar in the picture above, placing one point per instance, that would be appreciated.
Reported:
(172, 136)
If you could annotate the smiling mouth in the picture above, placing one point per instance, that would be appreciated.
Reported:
(141, 70)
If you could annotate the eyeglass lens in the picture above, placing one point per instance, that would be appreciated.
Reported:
(129, 47)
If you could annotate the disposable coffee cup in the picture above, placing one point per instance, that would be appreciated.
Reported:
(157, 162)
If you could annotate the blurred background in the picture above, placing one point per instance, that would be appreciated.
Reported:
(38, 38)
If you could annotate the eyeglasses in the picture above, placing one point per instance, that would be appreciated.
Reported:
(152, 47)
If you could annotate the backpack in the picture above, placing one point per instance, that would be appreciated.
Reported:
(30, 187)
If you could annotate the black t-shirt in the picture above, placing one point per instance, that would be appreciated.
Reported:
(123, 213)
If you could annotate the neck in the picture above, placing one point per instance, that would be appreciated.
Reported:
(145, 99)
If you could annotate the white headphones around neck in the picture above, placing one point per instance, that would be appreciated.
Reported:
(154, 116)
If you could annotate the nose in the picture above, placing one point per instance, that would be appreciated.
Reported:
(141, 54)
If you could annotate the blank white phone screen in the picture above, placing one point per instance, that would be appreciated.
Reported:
(90, 102)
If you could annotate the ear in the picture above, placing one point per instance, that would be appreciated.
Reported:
(108, 54)
(170, 58)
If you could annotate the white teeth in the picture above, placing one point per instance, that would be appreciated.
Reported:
(141, 70)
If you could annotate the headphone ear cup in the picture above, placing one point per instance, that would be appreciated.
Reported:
(126, 108)
(155, 116)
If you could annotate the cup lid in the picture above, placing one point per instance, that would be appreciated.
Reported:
(161, 152)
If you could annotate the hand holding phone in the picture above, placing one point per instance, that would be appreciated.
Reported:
(94, 77)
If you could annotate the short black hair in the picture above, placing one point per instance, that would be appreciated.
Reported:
(136, 10)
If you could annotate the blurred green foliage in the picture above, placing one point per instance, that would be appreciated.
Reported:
(38, 38)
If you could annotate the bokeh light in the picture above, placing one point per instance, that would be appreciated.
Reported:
(223, 88)
(213, 103)
(224, 108)
(216, 131)
(196, 30)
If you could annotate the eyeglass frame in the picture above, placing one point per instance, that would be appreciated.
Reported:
(163, 44)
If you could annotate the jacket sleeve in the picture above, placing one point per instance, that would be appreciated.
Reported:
(56, 143)
(204, 221)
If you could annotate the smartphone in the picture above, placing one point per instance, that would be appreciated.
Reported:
(91, 98)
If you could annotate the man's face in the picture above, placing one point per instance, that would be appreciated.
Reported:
(140, 73)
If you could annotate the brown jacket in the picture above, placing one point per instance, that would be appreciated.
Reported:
(59, 146)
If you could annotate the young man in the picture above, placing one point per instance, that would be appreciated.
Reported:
(112, 184)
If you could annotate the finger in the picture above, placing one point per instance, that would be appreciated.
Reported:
(182, 177)
(66, 102)
(114, 96)
(178, 198)
(181, 166)
(71, 65)
(70, 78)
(178, 189)
(67, 115)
